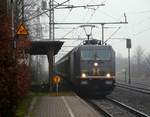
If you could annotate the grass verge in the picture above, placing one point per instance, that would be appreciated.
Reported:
(23, 106)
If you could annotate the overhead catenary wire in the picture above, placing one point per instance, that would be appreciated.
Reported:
(88, 20)
(140, 32)
(70, 10)
(106, 14)
(139, 12)
(112, 34)
(45, 11)
(80, 6)
(70, 32)
(92, 15)
(93, 9)
(141, 22)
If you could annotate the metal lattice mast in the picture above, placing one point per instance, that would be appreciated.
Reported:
(38, 26)
(51, 20)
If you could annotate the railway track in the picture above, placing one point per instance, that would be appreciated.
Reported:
(140, 84)
(131, 109)
(98, 108)
(143, 84)
(113, 108)
(134, 88)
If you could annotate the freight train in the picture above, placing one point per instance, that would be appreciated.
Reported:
(90, 68)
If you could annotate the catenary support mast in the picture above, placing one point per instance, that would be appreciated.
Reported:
(51, 20)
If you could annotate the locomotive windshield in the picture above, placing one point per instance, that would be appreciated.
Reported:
(98, 54)
(103, 54)
(87, 54)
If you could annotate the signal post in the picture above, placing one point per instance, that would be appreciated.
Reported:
(128, 45)
(21, 42)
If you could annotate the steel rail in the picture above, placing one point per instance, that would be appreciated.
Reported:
(137, 112)
(134, 88)
(99, 109)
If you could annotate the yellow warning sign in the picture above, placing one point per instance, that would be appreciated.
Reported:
(56, 79)
(22, 30)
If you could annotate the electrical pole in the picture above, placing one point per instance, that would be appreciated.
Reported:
(102, 34)
(38, 26)
(129, 66)
(51, 20)
(22, 9)
(51, 58)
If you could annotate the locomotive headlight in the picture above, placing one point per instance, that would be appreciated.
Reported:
(108, 75)
(83, 75)
(95, 64)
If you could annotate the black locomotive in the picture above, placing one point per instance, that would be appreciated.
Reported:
(90, 68)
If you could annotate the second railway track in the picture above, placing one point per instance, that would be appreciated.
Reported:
(112, 108)
(134, 88)
(128, 108)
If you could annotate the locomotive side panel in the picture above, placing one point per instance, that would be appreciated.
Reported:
(71, 65)
(74, 64)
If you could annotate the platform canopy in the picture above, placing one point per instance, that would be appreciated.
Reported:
(44, 47)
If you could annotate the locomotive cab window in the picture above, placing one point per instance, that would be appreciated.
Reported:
(98, 54)
(103, 54)
(87, 54)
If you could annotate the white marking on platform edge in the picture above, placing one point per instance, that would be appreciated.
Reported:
(68, 107)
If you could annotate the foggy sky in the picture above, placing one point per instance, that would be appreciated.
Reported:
(137, 29)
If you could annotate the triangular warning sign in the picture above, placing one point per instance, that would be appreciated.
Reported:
(22, 30)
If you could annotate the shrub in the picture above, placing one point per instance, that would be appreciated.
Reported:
(14, 77)
(23, 80)
(8, 81)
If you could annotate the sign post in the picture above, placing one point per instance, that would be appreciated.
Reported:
(56, 81)
(21, 42)
(22, 30)
(57, 88)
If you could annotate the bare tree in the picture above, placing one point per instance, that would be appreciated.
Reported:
(147, 64)
(138, 62)
(121, 66)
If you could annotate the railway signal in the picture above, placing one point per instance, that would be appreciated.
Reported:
(128, 45)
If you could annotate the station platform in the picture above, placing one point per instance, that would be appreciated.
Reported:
(62, 106)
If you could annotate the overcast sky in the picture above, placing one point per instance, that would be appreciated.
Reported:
(137, 29)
